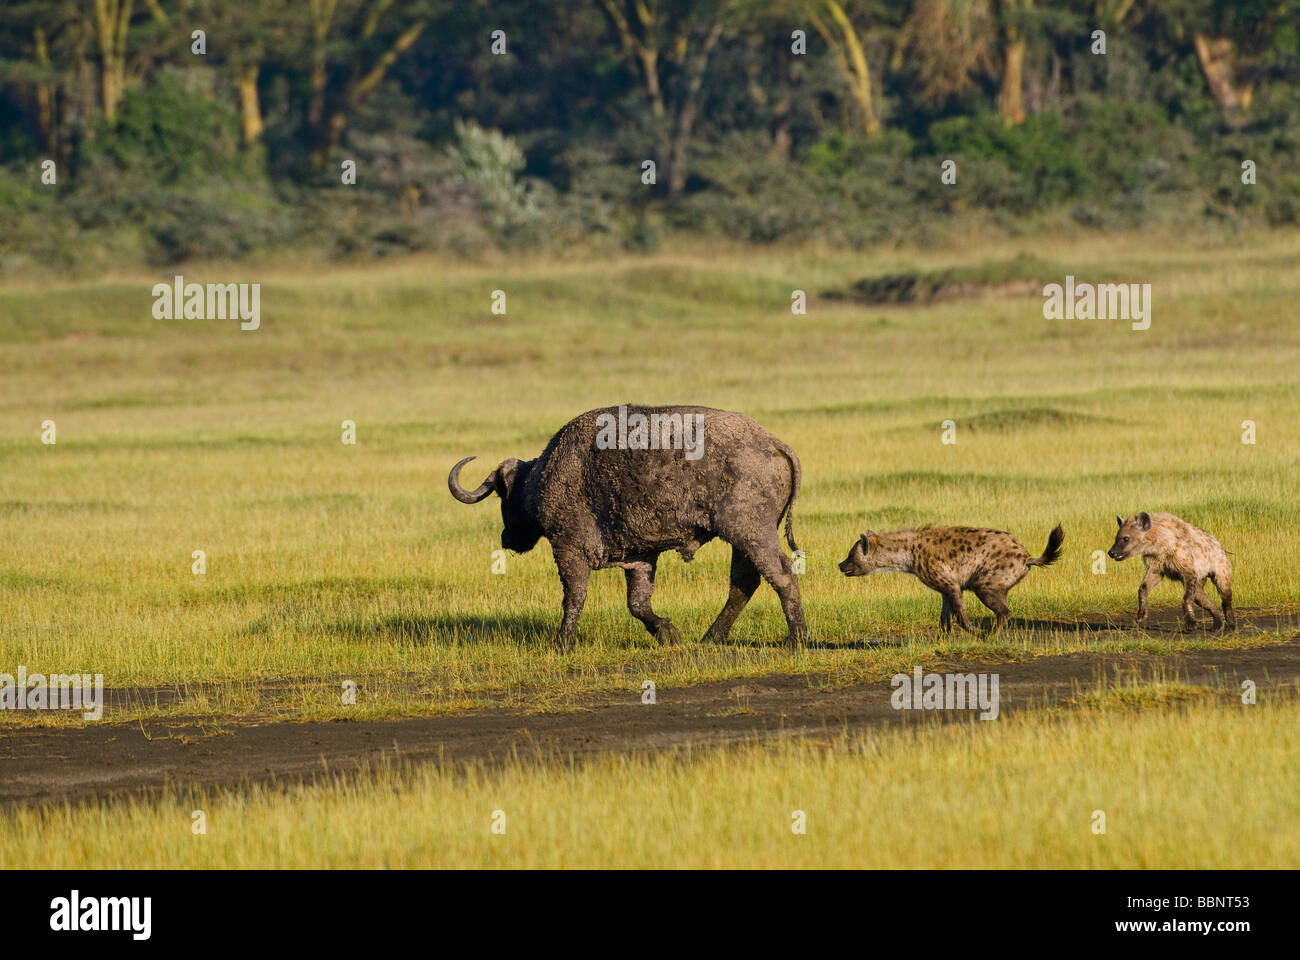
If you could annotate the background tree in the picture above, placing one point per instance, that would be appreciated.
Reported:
(669, 43)
(352, 46)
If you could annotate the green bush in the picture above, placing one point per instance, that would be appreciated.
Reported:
(167, 135)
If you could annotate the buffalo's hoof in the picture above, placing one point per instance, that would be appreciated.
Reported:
(666, 634)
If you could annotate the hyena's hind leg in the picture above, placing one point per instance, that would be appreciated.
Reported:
(1191, 590)
(995, 600)
(953, 607)
(1203, 602)
(1223, 583)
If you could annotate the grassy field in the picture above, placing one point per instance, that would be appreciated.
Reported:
(1021, 792)
(328, 561)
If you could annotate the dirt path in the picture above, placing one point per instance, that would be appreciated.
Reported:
(49, 765)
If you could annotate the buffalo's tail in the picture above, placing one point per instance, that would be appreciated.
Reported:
(796, 480)
(1053, 551)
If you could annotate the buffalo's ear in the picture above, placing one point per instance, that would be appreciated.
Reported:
(1144, 519)
(504, 478)
(1119, 521)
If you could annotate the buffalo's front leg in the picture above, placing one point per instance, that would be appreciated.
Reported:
(640, 588)
(745, 579)
(574, 575)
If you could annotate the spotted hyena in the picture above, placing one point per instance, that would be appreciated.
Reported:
(1176, 550)
(988, 563)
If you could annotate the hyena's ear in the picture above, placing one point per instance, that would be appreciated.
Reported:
(1144, 519)
(866, 539)
(1119, 521)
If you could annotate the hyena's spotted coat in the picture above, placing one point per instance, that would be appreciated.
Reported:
(988, 563)
(1175, 550)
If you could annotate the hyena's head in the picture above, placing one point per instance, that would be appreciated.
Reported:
(867, 556)
(1130, 536)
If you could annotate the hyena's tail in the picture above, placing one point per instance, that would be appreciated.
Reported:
(796, 480)
(1053, 551)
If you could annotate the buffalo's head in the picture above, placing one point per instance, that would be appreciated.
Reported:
(520, 531)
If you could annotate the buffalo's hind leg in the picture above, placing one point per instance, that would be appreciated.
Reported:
(775, 567)
(745, 579)
(640, 588)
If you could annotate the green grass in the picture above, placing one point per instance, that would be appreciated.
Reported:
(328, 561)
(1021, 792)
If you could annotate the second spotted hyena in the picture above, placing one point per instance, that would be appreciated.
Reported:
(988, 563)
(1175, 550)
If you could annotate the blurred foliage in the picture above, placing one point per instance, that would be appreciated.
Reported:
(164, 154)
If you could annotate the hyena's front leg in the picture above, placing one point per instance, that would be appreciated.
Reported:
(1149, 580)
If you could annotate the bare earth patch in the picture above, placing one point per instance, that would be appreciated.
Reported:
(44, 765)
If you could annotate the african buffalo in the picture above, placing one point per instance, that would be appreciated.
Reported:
(618, 486)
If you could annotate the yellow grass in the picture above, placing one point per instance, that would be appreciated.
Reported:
(1209, 784)
(328, 562)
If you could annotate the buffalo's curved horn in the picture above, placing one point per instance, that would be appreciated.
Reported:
(469, 496)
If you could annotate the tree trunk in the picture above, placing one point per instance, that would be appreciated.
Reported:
(328, 124)
(45, 123)
(328, 138)
(1215, 58)
(851, 59)
(1010, 103)
(782, 138)
(250, 108)
(110, 88)
(322, 12)
(860, 75)
(112, 19)
(686, 118)
(86, 95)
